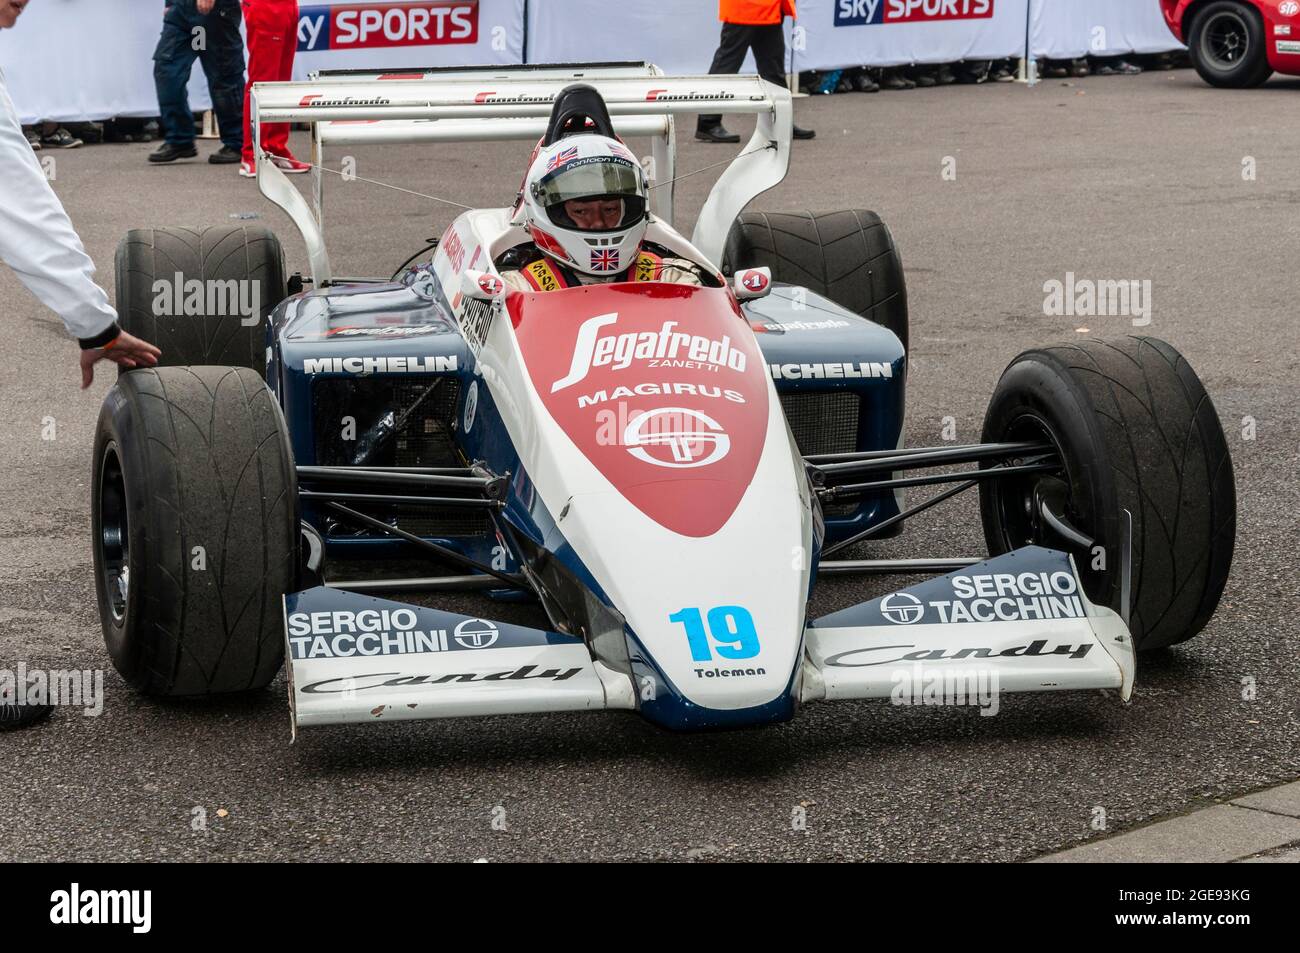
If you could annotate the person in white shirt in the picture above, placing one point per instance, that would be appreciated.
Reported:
(39, 243)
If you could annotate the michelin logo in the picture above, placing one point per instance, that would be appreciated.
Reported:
(380, 365)
(843, 371)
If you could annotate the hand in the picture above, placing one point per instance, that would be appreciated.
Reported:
(205, 6)
(125, 349)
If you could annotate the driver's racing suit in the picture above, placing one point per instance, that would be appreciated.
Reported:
(652, 263)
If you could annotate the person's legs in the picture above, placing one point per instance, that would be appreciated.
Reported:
(768, 43)
(732, 47)
(261, 54)
(223, 64)
(173, 60)
(275, 136)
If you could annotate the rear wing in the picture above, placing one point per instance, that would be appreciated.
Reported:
(495, 104)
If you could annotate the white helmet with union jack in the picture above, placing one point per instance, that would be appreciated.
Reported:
(587, 168)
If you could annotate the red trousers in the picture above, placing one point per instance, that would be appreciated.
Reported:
(272, 27)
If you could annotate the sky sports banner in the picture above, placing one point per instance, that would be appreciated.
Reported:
(829, 34)
(333, 34)
(838, 33)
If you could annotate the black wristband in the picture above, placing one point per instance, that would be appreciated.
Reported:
(99, 340)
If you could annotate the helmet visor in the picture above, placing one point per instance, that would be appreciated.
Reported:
(588, 179)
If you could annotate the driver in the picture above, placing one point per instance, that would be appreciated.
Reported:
(585, 210)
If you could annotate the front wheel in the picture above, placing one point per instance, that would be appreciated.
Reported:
(1227, 43)
(1133, 429)
(194, 520)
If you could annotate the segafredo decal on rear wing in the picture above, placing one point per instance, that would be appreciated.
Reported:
(1022, 620)
(356, 658)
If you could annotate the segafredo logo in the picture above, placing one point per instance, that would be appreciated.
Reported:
(666, 347)
(676, 437)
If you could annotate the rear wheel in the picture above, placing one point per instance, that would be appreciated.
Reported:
(848, 257)
(194, 523)
(1228, 45)
(203, 295)
(1134, 430)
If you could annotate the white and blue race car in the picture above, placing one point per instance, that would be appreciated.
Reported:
(667, 470)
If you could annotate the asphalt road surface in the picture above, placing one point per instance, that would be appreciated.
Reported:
(1112, 178)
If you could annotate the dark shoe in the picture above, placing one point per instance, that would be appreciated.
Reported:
(863, 83)
(20, 716)
(893, 79)
(1125, 68)
(1079, 68)
(945, 75)
(802, 133)
(168, 152)
(925, 78)
(226, 156)
(716, 133)
(34, 139)
(61, 139)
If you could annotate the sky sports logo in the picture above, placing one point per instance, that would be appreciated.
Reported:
(863, 12)
(361, 26)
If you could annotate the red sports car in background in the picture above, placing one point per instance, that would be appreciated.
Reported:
(1238, 43)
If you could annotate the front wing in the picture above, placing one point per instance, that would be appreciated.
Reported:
(1016, 623)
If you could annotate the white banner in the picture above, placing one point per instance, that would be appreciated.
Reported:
(1065, 29)
(679, 36)
(72, 60)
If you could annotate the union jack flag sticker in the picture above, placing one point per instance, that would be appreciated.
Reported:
(604, 260)
(561, 157)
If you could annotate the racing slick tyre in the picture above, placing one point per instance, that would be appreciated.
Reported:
(1135, 431)
(194, 521)
(846, 256)
(1228, 45)
(202, 295)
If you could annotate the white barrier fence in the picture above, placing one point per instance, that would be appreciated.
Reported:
(72, 60)
(89, 59)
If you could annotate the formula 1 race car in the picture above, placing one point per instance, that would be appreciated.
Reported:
(1237, 43)
(667, 469)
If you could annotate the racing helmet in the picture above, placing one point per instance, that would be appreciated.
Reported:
(587, 167)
